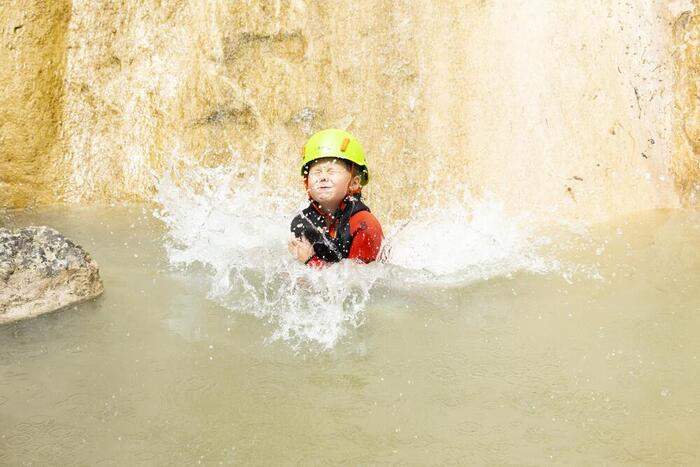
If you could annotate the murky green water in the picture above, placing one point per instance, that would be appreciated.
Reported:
(526, 370)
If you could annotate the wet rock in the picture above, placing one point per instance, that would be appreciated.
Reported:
(42, 271)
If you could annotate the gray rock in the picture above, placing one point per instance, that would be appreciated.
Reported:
(42, 271)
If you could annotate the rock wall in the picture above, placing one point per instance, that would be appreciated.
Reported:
(32, 64)
(562, 109)
(686, 166)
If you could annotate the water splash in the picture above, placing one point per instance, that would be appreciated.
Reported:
(466, 240)
(238, 231)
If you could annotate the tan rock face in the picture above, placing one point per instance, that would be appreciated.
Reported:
(686, 167)
(565, 110)
(32, 64)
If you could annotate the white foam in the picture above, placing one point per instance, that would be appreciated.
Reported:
(467, 240)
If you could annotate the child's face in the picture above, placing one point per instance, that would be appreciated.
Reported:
(329, 180)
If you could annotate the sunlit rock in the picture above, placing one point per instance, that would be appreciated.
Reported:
(42, 271)
(576, 111)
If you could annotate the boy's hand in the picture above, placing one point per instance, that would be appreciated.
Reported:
(300, 248)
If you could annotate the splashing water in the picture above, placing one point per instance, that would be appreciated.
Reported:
(238, 232)
(465, 241)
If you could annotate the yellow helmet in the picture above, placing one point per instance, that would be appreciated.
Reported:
(335, 143)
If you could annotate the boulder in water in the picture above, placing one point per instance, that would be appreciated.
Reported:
(42, 271)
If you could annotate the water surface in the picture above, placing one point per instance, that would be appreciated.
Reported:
(595, 363)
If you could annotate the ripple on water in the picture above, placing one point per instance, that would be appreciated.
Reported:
(537, 435)
(343, 381)
(638, 452)
(106, 463)
(470, 427)
(116, 406)
(448, 367)
(189, 389)
(79, 399)
(271, 388)
(443, 373)
(41, 440)
(17, 440)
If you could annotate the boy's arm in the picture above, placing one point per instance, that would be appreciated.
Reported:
(300, 230)
(366, 235)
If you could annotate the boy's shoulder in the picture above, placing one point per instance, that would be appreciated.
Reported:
(364, 220)
(364, 214)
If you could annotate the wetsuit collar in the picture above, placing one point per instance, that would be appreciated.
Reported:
(341, 207)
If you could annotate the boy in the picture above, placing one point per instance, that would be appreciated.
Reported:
(336, 224)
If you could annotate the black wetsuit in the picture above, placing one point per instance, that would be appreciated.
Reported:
(330, 236)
